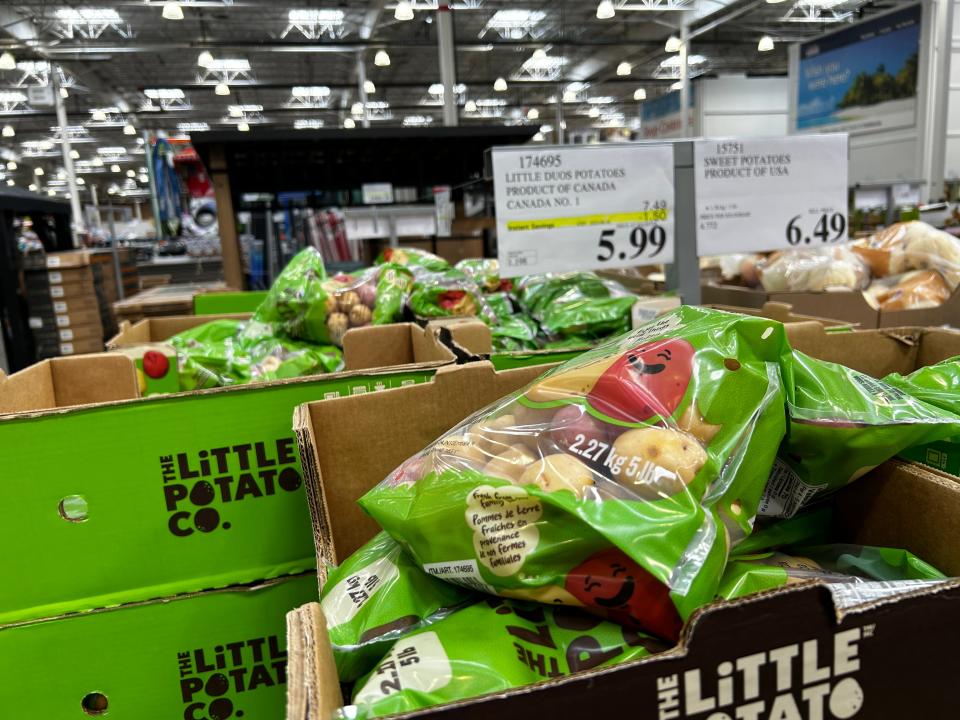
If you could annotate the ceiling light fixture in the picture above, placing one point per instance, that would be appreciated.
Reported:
(98, 162)
(11, 165)
(381, 59)
(32, 187)
(403, 11)
(678, 85)
(356, 109)
(204, 59)
(673, 44)
(639, 94)
(470, 106)
(98, 116)
(63, 93)
(74, 155)
(221, 89)
(81, 181)
(538, 137)
(7, 62)
(131, 173)
(500, 85)
(624, 68)
(8, 131)
(533, 114)
(606, 10)
(594, 112)
(10, 182)
(62, 175)
(115, 168)
(38, 171)
(539, 53)
(172, 11)
(129, 129)
(349, 124)
(243, 126)
(765, 44)
(368, 87)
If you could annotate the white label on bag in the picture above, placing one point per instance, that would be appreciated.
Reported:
(349, 595)
(460, 572)
(758, 194)
(785, 492)
(417, 663)
(576, 207)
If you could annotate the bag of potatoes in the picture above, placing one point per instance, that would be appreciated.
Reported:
(616, 482)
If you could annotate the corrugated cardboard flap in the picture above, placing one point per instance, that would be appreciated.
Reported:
(68, 382)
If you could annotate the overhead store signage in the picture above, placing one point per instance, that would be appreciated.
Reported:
(377, 193)
(763, 194)
(862, 78)
(565, 208)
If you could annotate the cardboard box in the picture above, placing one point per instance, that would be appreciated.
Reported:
(160, 329)
(57, 260)
(783, 312)
(849, 306)
(46, 318)
(181, 492)
(219, 303)
(214, 654)
(891, 658)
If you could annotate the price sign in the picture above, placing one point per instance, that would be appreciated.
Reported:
(563, 208)
(761, 194)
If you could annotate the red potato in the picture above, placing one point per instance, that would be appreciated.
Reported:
(573, 427)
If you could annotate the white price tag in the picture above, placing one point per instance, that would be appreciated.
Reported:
(770, 193)
(565, 208)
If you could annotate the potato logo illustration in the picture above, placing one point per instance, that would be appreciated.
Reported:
(612, 585)
(504, 524)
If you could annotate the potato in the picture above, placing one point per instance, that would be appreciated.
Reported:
(658, 462)
(558, 472)
(511, 463)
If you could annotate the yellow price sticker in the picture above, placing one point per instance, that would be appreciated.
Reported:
(587, 220)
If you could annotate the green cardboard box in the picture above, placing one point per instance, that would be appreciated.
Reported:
(209, 656)
(215, 303)
(114, 499)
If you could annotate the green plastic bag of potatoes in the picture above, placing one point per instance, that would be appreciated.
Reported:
(491, 646)
(412, 258)
(576, 304)
(209, 355)
(853, 564)
(376, 596)
(843, 424)
(486, 273)
(447, 294)
(937, 385)
(617, 482)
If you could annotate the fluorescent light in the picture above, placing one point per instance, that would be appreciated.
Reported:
(538, 137)
(349, 124)
(189, 127)
(112, 190)
(368, 87)
(673, 44)
(172, 11)
(533, 114)
(98, 162)
(74, 155)
(204, 59)
(46, 145)
(381, 59)
(11, 96)
(238, 111)
(307, 124)
(356, 109)
(309, 91)
(131, 173)
(164, 93)
(639, 94)
(500, 85)
(81, 181)
(112, 150)
(221, 89)
(63, 93)
(11, 165)
(98, 115)
(32, 187)
(470, 106)
(403, 11)
(594, 112)
(230, 65)
(243, 126)
(8, 131)
(774, 2)
(310, 15)
(417, 120)
(38, 171)
(674, 61)
(765, 44)
(540, 53)
(10, 182)
(605, 10)
(569, 96)
(678, 85)
(51, 192)
(624, 68)
(129, 129)
(143, 178)
(7, 62)
(62, 175)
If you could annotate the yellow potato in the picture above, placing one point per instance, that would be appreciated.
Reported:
(576, 382)
(511, 463)
(548, 594)
(658, 462)
(692, 421)
(495, 435)
(558, 472)
(453, 450)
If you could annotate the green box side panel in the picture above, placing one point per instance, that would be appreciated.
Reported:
(228, 302)
(216, 655)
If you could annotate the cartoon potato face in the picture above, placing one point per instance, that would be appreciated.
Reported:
(649, 380)
(611, 584)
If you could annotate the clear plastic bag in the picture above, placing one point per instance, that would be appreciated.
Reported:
(913, 245)
(815, 270)
(617, 482)
(911, 291)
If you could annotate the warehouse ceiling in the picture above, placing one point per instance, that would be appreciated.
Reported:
(298, 66)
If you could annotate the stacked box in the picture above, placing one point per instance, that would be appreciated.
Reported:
(106, 281)
(65, 311)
